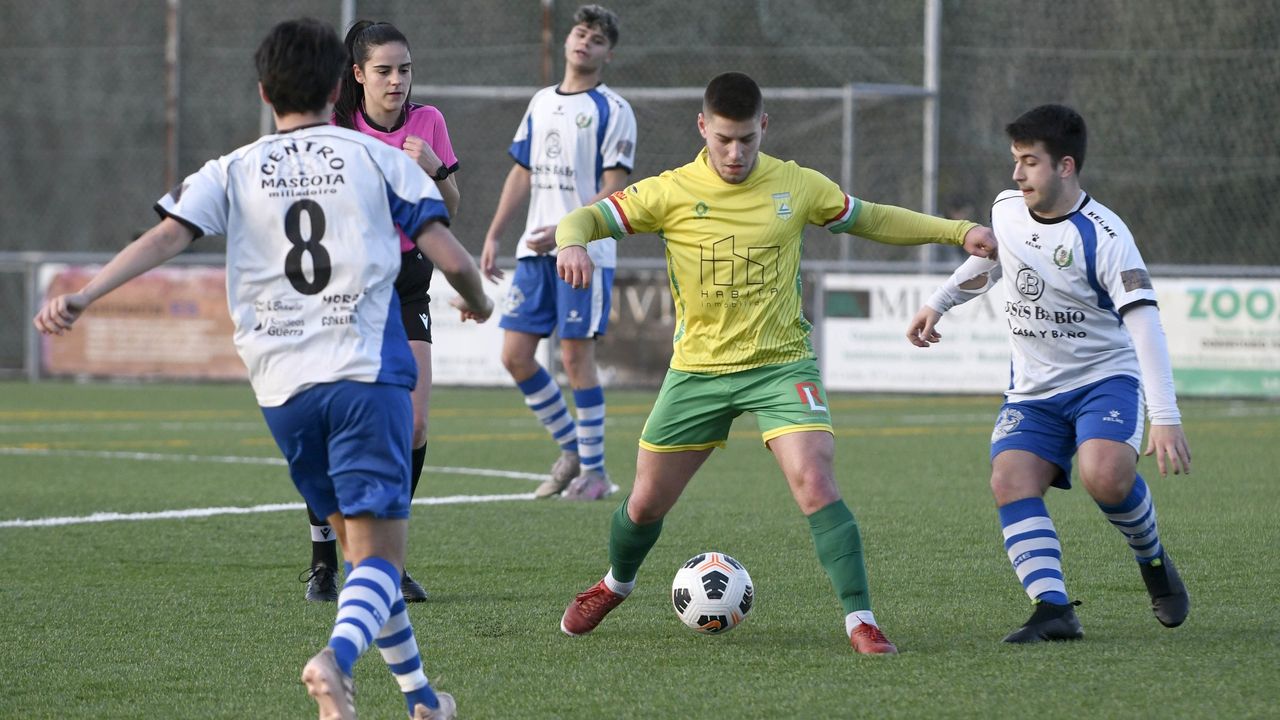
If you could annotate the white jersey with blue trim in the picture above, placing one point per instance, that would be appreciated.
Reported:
(567, 141)
(310, 220)
(1067, 281)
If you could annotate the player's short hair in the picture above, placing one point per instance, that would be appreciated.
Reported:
(733, 96)
(298, 65)
(362, 38)
(600, 18)
(1060, 128)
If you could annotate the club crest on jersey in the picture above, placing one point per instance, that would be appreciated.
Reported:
(701, 209)
(1006, 424)
(1062, 257)
(782, 204)
(583, 120)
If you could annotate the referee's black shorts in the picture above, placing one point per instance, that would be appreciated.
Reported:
(412, 285)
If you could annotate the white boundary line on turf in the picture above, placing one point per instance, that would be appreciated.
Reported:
(241, 460)
(212, 511)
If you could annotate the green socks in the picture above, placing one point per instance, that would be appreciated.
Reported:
(839, 545)
(629, 543)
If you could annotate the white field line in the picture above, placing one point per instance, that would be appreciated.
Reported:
(209, 512)
(241, 460)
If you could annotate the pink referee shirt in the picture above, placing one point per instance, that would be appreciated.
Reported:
(423, 121)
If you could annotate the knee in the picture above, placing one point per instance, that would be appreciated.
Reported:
(1107, 485)
(518, 365)
(815, 489)
(1009, 487)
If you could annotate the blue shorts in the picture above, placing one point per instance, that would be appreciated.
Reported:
(540, 302)
(1053, 428)
(348, 445)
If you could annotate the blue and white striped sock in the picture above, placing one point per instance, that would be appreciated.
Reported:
(1135, 517)
(590, 403)
(363, 608)
(543, 397)
(1034, 550)
(399, 649)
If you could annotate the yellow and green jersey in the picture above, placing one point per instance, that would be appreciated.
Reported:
(733, 253)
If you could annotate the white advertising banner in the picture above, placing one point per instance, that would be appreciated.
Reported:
(864, 338)
(1223, 334)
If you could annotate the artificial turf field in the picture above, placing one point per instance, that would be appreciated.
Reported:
(186, 604)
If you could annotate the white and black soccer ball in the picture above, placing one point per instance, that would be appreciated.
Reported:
(712, 593)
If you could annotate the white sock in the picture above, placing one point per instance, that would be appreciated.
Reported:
(617, 587)
(856, 618)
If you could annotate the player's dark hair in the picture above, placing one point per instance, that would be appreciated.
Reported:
(298, 64)
(600, 18)
(1060, 128)
(733, 96)
(362, 38)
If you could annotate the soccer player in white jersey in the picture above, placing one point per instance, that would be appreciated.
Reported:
(310, 216)
(1087, 345)
(574, 146)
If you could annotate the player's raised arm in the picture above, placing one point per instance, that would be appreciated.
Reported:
(572, 235)
(893, 225)
(159, 244)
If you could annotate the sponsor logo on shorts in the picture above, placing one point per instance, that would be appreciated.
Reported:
(574, 317)
(811, 394)
(1113, 417)
(1006, 424)
(513, 301)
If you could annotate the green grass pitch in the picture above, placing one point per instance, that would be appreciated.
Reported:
(203, 616)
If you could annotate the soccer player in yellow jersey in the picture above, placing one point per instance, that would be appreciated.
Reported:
(732, 223)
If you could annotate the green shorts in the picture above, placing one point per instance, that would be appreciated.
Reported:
(695, 412)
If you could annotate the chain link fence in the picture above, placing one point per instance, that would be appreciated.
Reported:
(1181, 99)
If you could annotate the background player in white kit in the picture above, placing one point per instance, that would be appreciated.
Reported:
(1087, 342)
(310, 216)
(575, 145)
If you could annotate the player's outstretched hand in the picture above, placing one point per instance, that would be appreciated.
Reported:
(542, 240)
(575, 266)
(469, 313)
(980, 241)
(922, 332)
(1169, 444)
(60, 313)
(489, 261)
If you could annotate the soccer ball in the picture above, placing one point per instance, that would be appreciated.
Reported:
(712, 593)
